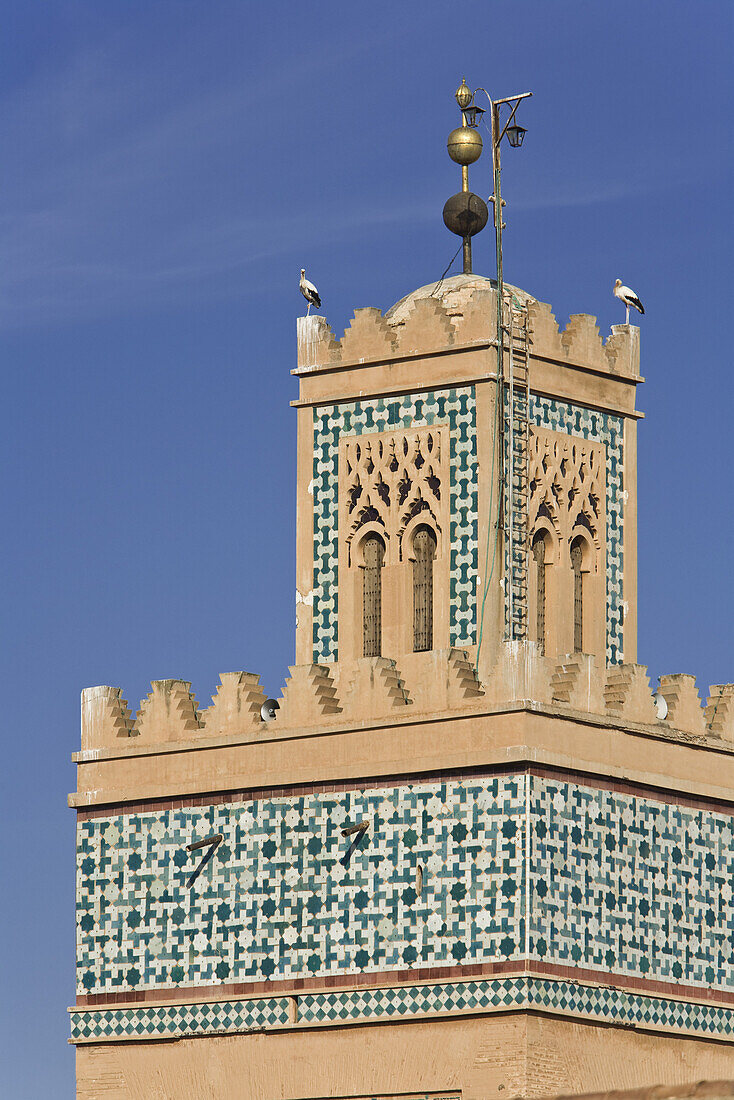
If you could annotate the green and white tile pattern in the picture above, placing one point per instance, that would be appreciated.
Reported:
(282, 897)
(599, 427)
(619, 883)
(455, 407)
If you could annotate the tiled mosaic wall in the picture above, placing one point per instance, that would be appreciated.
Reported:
(455, 407)
(284, 897)
(604, 428)
(623, 885)
(631, 885)
(618, 883)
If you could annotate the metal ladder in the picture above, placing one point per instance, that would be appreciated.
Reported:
(516, 392)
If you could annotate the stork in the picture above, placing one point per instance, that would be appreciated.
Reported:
(628, 297)
(309, 292)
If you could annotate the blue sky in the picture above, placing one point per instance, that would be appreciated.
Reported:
(168, 168)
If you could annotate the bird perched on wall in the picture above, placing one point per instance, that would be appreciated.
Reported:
(309, 292)
(628, 297)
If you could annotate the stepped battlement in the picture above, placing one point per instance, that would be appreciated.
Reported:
(442, 682)
(462, 313)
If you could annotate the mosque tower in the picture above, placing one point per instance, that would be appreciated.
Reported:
(472, 856)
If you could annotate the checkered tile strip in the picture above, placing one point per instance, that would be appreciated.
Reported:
(453, 406)
(618, 1006)
(167, 1020)
(599, 427)
(594, 1002)
(411, 1000)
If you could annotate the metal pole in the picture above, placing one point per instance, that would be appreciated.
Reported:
(467, 240)
(496, 133)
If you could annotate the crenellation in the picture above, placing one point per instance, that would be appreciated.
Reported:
(578, 683)
(719, 711)
(427, 328)
(369, 336)
(462, 680)
(376, 689)
(317, 345)
(442, 681)
(461, 316)
(623, 349)
(583, 343)
(684, 705)
(105, 717)
(521, 673)
(309, 697)
(169, 713)
(544, 330)
(235, 705)
(627, 694)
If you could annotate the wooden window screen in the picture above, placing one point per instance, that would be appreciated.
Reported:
(539, 555)
(374, 553)
(424, 549)
(577, 558)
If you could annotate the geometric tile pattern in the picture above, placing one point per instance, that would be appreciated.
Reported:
(403, 1000)
(631, 885)
(599, 427)
(455, 407)
(163, 1021)
(621, 884)
(620, 1006)
(614, 1006)
(285, 895)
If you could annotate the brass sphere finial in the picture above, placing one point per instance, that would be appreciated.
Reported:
(464, 145)
(463, 94)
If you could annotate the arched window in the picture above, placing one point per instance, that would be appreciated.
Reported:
(374, 553)
(539, 558)
(424, 550)
(577, 561)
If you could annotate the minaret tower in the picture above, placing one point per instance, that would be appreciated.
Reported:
(471, 857)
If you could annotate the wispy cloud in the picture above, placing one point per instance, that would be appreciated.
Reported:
(128, 188)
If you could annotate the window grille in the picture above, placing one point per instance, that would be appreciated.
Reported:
(539, 555)
(424, 549)
(374, 553)
(578, 602)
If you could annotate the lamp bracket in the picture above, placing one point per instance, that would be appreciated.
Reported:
(498, 103)
(509, 120)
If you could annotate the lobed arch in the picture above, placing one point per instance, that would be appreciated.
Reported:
(368, 519)
(363, 533)
(412, 519)
(544, 525)
(583, 536)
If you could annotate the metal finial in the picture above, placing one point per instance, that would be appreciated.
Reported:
(463, 94)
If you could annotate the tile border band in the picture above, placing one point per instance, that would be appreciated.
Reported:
(356, 983)
(526, 993)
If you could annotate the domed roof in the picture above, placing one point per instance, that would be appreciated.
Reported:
(453, 293)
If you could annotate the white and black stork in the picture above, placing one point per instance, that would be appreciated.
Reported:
(309, 292)
(628, 297)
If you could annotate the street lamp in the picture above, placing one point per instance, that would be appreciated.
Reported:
(515, 135)
(473, 114)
